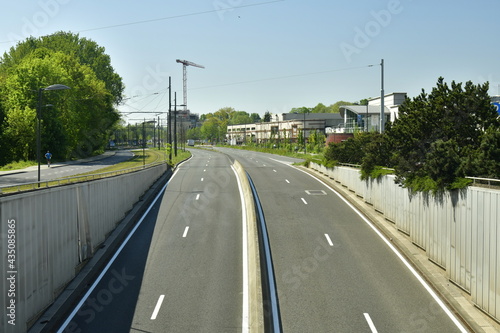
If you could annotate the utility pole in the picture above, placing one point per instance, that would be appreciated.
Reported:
(175, 123)
(382, 113)
(170, 119)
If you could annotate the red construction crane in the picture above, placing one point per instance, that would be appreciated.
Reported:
(186, 63)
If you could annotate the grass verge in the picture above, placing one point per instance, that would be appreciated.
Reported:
(150, 156)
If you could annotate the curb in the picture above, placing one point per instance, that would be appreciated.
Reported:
(55, 314)
(255, 301)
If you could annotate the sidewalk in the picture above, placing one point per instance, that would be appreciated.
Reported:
(61, 164)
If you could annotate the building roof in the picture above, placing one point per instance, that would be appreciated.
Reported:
(362, 109)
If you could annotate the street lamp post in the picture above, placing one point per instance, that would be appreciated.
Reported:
(304, 133)
(143, 144)
(144, 140)
(169, 120)
(175, 122)
(39, 118)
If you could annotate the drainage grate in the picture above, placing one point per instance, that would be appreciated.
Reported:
(315, 192)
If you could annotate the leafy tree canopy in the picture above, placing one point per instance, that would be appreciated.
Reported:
(436, 133)
(321, 108)
(437, 140)
(86, 51)
(74, 122)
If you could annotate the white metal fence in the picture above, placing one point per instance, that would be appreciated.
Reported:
(460, 231)
(46, 234)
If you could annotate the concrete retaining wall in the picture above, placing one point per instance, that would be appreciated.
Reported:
(46, 235)
(460, 231)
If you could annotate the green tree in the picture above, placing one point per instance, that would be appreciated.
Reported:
(485, 160)
(255, 117)
(214, 125)
(267, 117)
(86, 51)
(335, 108)
(194, 133)
(239, 117)
(78, 122)
(352, 151)
(436, 133)
(300, 110)
(320, 108)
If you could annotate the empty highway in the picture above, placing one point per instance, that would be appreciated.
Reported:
(181, 270)
(333, 272)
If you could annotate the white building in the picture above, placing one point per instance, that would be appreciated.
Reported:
(283, 127)
(367, 117)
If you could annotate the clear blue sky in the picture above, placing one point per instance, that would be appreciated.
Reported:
(264, 55)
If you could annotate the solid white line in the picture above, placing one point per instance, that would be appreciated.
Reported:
(370, 323)
(157, 307)
(112, 260)
(198, 196)
(328, 239)
(245, 310)
(185, 232)
(399, 255)
(304, 200)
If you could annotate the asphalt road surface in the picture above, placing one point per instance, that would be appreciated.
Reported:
(181, 271)
(333, 272)
(61, 170)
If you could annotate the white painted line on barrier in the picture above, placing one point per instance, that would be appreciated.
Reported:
(304, 200)
(157, 307)
(370, 322)
(244, 258)
(328, 239)
(185, 232)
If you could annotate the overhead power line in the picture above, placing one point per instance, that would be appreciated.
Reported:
(280, 77)
(163, 18)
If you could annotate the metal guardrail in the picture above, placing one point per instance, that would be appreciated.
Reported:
(272, 316)
(16, 188)
(485, 181)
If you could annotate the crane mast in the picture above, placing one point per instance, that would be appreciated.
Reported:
(186, 63)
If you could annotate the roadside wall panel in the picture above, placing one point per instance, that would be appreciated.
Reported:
(56, 229)
(459, 230)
